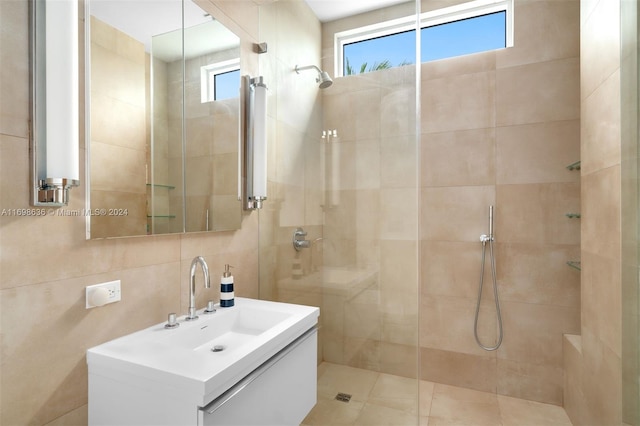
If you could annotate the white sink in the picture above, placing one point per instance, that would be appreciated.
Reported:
(181, 360)
(229, 331)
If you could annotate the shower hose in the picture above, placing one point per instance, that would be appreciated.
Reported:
(488, 240)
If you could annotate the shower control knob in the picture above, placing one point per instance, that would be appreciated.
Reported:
(299, 241)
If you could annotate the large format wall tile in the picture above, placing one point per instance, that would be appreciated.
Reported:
(537, 153)
(459, 369)
(554, 33)
(601, 205)
(460, 158)
(539, 92)
(459, 102)
(536, 213)
(455, 213)
(601, 136)
(600, 43)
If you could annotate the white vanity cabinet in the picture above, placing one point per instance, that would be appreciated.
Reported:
(266, 373)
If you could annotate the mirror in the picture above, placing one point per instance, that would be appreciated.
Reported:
(163, 120)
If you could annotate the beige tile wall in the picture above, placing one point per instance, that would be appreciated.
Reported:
(45, 262)
(594, 372)
(499, 128)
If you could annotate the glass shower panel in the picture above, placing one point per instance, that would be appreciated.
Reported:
(343, 173)
(370, 226)
(630, 214)
(370, 218)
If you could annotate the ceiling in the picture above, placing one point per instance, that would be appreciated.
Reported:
(125, 15)
(329, 10)
(164, 20)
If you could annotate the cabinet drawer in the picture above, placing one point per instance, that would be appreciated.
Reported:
(280, 392)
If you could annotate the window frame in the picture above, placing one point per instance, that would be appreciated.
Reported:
(208, 75)
(445, 15)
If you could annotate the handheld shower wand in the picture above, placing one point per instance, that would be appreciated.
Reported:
(491, 222)
(484, 239)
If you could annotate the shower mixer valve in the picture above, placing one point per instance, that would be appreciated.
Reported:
(299, 241)
(484, 238)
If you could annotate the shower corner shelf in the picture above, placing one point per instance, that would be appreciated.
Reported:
(575, 264)
(573, 215)
(574, 166)
(157, 185)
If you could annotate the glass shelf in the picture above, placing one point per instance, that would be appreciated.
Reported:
(575, 264)
(573, 215)
(574, 166)
(157, 185)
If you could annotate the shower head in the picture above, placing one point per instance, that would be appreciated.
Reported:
(322, 78)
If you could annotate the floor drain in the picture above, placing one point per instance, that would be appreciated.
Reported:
(344, 397)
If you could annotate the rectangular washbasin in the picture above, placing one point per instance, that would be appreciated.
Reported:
(226, 328)
(202, 358)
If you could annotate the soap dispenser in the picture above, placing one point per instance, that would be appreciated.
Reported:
(226, 288)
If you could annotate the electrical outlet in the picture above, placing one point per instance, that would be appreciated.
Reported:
(102, 294)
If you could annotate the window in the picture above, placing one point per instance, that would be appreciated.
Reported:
(220, 81)
(225, 85)
(379, 53)
(470, 35)
(471, 27)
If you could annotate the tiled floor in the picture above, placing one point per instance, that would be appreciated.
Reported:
(383, 399)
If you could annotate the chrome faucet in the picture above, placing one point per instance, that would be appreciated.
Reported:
(192, 285)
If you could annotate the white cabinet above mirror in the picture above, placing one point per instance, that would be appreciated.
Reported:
(162, 119)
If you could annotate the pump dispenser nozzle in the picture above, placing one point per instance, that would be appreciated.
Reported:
(227, 273)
